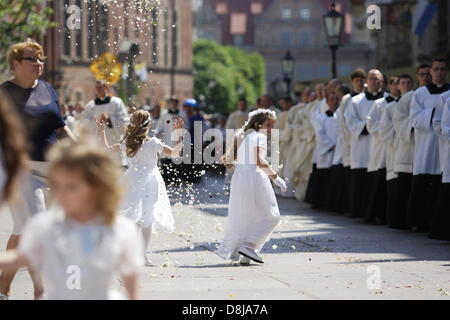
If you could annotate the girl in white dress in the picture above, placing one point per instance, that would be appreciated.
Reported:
(146, 202)
(253, 210)
(77, 249)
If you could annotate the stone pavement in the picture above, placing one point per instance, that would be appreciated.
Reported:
(312, 255)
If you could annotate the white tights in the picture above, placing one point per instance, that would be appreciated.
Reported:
(146, 235)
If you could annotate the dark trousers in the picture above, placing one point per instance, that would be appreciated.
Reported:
(440, 221)
(424, 192)
(376, 205)
(320, 196)
(398, 192)
(360, 185)
(337, 192)
(310, 189)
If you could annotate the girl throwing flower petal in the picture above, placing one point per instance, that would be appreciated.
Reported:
(146, 201)
(253, 211)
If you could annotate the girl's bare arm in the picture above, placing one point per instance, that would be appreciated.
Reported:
(12, 260)
(101, 125)
(262, 163)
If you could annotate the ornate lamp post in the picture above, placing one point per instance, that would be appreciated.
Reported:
(287, 66)
(333, 22)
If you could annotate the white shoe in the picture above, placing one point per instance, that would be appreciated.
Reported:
(251, 254)
(245, 261)
(4, 296)
(148, 262)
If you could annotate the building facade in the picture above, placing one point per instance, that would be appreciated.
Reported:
(396, 45)
(162, 30)
(272, 27)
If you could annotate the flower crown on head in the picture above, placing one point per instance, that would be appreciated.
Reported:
(259, 111)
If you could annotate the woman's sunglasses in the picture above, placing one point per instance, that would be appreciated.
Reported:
(34, 60)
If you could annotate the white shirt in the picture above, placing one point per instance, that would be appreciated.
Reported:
(344, 133)
(326, 129)
(389, 138)
(445, 127)
(355, 118)
(377, 158)
(246, 153)
(426, 150)
(77, 261)
(404, 154)
(116, 112)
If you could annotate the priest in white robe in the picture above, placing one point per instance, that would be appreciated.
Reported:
(113, 111)
(303, 154)
(326, 132)
(355, 119)
(398, 193)
(427, 171)
(440, 222)
(376, 206)
(358, 80)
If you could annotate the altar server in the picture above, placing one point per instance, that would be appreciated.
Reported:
(376, 206)
(427, 168)
(355, 119)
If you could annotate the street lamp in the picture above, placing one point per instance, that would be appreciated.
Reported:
(333, 22)
(287, 66)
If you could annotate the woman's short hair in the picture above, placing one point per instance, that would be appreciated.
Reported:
(16, 51)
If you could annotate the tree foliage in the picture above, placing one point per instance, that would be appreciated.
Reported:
(223, 75)
(20, 19)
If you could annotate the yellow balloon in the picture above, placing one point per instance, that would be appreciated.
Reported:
(107, 68)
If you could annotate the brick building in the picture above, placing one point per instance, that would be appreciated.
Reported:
(272, 27)
(163, 33)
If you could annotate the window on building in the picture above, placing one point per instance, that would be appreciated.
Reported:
(348, 23)
(286, 38)
(91, 23)
(166, 37)
(286, 13)
(238, 40)
(221, 8)
(154, 36)
(103, 28)
(238, 24)
(344, 69)
(305, 71)
(256, 8)
(306, 38)
(208, 35)
(323, 71)
(78, 36)
(174, 37)
(305, 14)
(66, 33)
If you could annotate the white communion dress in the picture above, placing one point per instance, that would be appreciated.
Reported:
(146, 201)
(253, 210)
(77, 261)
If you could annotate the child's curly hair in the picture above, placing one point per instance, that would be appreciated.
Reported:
(96, 167)
(136, 132)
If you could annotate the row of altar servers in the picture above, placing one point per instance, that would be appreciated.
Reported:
(382, 158)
